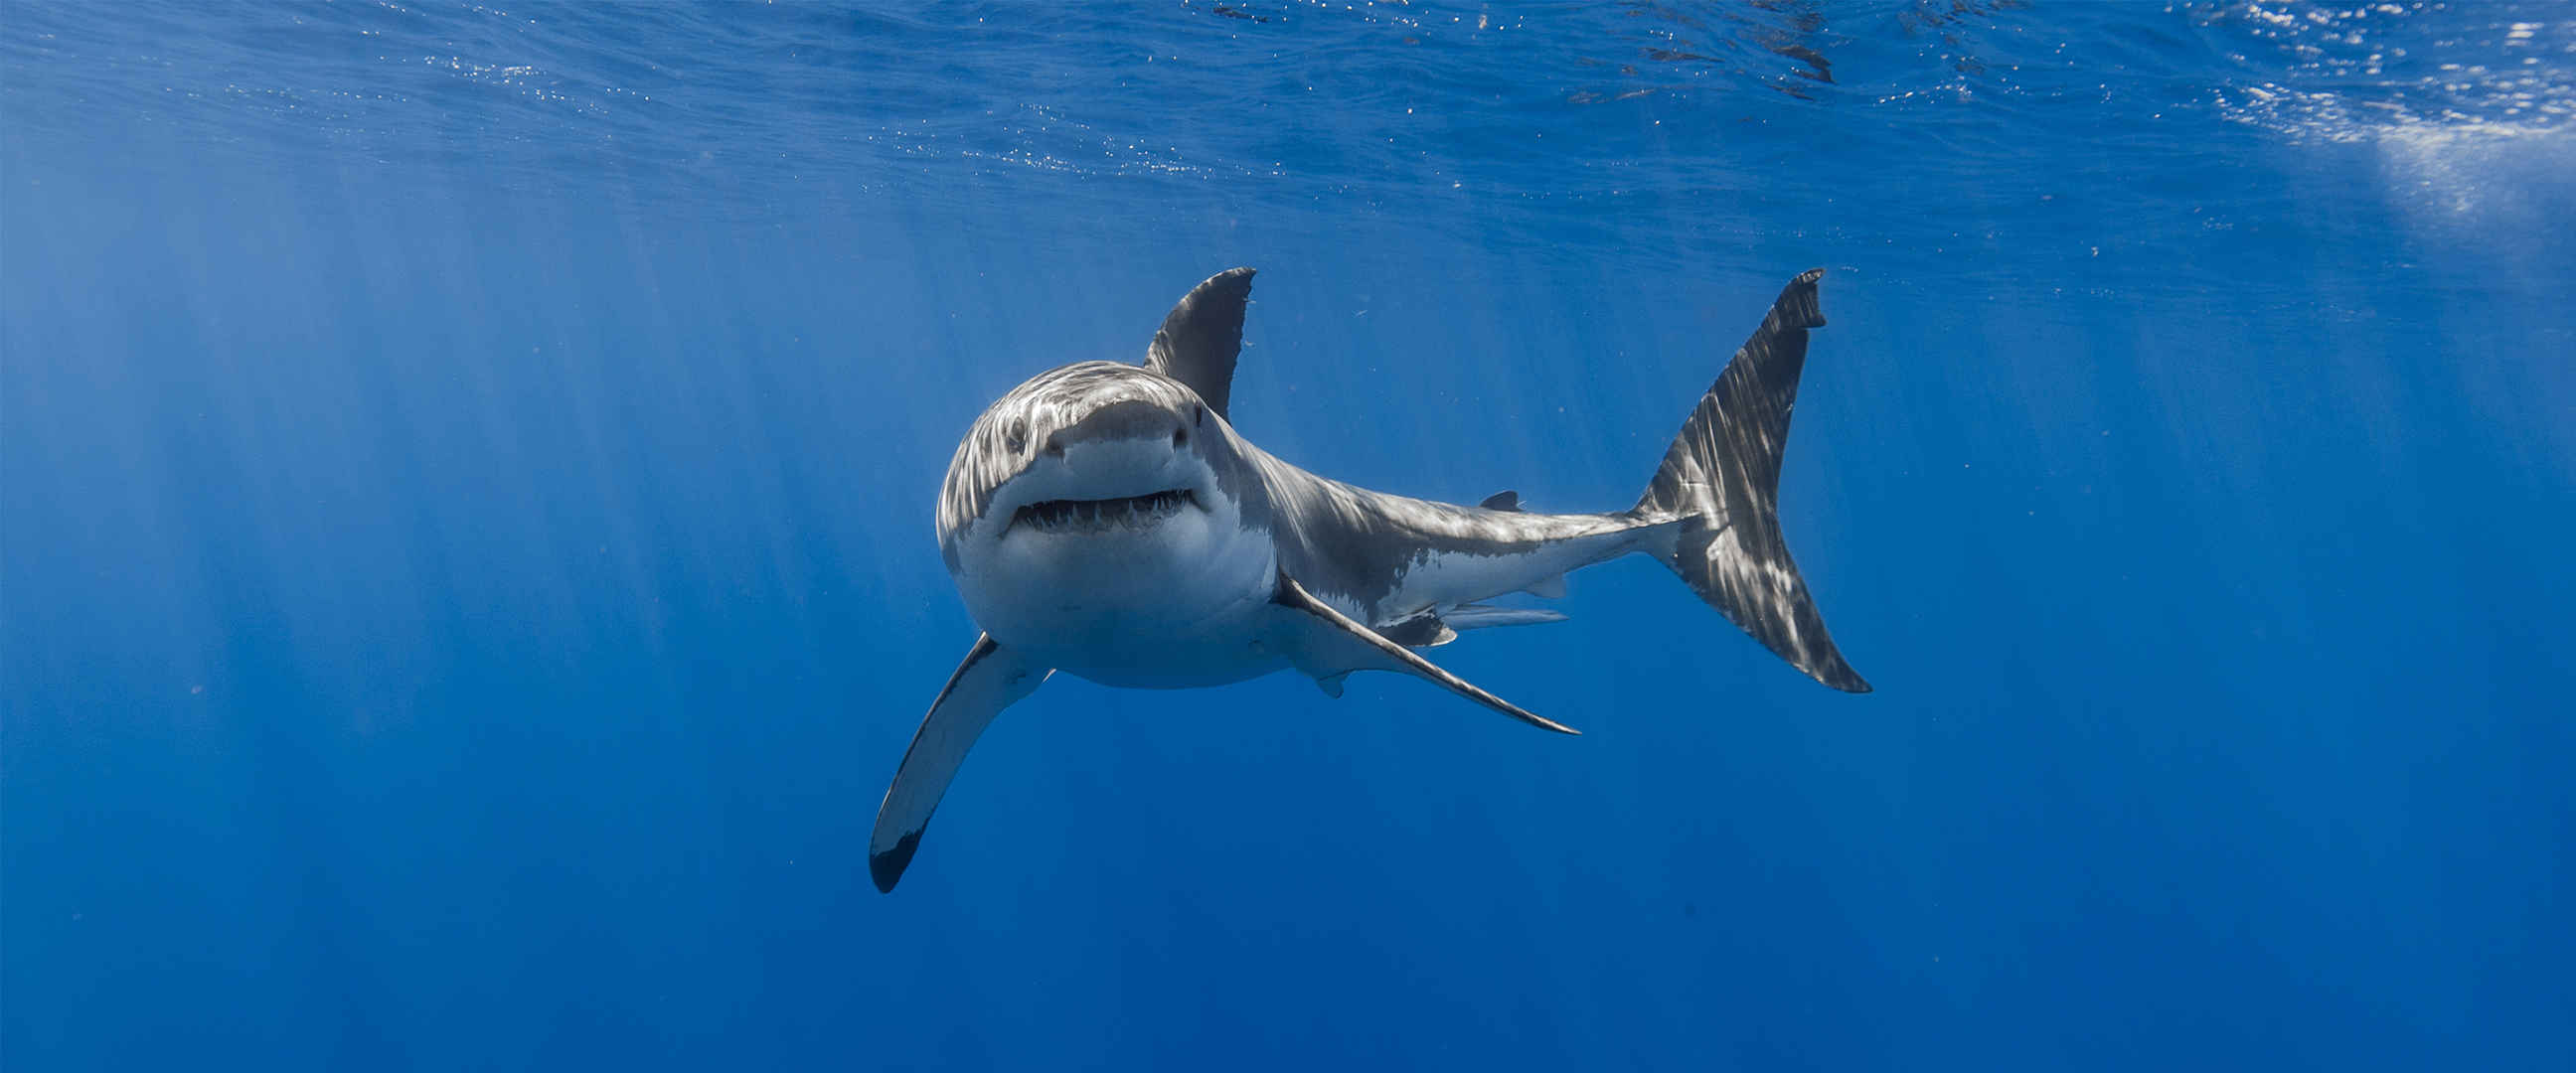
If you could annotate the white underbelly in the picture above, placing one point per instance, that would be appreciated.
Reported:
(1141, 652)
(1180, 604)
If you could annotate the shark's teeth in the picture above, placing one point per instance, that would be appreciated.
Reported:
(1102, 515)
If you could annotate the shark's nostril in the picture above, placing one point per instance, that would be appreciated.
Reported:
(1055, 447)
(1180, 437)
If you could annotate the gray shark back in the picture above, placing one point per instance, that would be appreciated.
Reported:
(1386, 557)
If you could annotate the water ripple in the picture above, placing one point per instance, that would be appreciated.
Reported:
(1443, 115)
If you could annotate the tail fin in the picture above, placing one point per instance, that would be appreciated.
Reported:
(1721, 479)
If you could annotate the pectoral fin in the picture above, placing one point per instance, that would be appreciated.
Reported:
(1331, 637)
(991, 678)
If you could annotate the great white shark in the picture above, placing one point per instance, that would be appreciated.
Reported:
(1106, 520)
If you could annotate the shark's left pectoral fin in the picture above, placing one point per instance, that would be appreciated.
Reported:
(1327, 643)
(991, 678)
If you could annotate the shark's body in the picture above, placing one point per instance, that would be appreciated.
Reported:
(1107, 521)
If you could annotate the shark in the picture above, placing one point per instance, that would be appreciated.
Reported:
(1106, 520)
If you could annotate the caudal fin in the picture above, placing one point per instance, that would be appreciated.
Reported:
(1721, 480)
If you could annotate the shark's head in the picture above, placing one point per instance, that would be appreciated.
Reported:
(1085, 452)
(1109, 488)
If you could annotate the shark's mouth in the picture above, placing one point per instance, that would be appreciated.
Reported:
(1103, 515)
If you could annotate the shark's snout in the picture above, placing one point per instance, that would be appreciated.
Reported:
(1129, 421)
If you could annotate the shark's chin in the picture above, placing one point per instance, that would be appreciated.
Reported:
(1158, 590)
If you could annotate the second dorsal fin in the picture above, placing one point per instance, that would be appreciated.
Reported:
(1203, 335)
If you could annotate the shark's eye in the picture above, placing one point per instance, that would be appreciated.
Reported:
(1016, 437)
(1180, 436)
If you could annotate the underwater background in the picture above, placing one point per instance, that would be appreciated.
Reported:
(466, 572)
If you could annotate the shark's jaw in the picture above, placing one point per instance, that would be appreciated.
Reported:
(1160, 588)
(1097, 516)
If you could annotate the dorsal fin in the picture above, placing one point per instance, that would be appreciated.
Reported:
(1203, 335)
(1502, 501)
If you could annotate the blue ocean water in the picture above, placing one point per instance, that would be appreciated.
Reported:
(466, 573)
